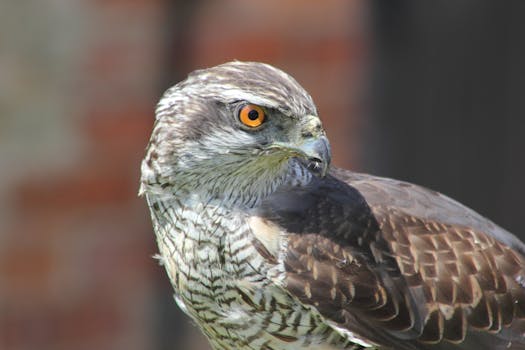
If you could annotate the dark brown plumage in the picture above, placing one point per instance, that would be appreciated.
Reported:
(401, 265)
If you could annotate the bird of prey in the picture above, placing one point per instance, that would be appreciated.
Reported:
(268, 246)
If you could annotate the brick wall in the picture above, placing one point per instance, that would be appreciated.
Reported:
(75, 266)
(79, 83)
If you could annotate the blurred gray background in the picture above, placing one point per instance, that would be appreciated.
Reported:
(425, 91)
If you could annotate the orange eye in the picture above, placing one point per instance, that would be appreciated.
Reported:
(252, 116)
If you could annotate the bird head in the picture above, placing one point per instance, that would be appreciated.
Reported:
(235, 124)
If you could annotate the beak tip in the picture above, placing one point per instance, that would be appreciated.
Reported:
(318, 156)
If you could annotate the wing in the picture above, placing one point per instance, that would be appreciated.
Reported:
(399, 265)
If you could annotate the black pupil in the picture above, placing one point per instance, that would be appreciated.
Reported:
(253, 114)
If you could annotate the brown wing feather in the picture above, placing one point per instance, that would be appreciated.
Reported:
(469, 279)
(471, 271)
(402, 266)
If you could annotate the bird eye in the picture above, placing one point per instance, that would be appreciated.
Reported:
(252, 116)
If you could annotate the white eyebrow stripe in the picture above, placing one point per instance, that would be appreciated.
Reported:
(236, 94)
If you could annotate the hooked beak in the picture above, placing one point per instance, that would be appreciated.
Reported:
(316, 155)
(313, 152)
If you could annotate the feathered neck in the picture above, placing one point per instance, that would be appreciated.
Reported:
(243, 183)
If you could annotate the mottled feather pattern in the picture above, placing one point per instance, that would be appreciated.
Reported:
(265, 252)
(231, 294)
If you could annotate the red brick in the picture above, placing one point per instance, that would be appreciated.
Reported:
(245, 48)
(100, 183)
(120, 133)
(26, 269)
(92, 321)
(94, 317)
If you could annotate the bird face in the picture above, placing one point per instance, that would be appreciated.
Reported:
(238, 118)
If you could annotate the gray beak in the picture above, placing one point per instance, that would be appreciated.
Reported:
(317, 155)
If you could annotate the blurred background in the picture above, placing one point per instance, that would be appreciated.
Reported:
(426, 91)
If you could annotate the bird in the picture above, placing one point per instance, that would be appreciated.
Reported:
(269, 246)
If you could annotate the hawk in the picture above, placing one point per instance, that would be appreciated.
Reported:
(267, 246)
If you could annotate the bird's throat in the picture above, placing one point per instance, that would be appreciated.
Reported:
(241, 184)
